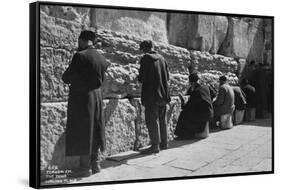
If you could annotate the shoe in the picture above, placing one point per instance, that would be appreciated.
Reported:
(96, 167)
(163, 146)
(151, 150)
(80, 173)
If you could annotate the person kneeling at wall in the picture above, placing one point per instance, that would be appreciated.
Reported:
(224, 105)
(194, 118)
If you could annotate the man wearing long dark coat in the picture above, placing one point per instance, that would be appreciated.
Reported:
(154, 76)
(196, 112)
(250, 93)
(259, 81)
(85, 134)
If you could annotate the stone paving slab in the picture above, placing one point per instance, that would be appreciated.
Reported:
(244, 148)
(123, 156)
(264, 165)
(191, 165)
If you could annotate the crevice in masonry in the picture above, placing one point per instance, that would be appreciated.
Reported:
(130, 98)
(58, 48)
(136, 123)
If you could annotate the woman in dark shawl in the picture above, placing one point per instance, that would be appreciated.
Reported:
(196, 112)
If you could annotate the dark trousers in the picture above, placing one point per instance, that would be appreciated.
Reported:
(86, 161)
(155, 119)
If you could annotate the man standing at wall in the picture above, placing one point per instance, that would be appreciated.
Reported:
(154, 76)
(250, 93)
(85, 134)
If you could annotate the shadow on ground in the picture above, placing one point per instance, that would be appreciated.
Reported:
(117, 160)
(260, 122)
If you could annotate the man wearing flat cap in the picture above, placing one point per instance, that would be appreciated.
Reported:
(224, 103)
(85, 134)
(154, 76)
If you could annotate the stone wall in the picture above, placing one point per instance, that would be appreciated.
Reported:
(124, 115)
(239, 37)
(144, 24)
(198, 32)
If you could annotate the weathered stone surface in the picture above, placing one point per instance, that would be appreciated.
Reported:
(119, 117)
(230, 36)
(197, 32)
(57, 47)
(211, 78)
(142, 137)
(77, 14)
(53, 123)
(142, 24)
(244, 38)
(268, 23)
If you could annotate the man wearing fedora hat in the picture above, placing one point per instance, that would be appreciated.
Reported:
(85, 134)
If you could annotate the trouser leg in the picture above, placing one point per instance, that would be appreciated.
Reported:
(95, 155)
(85, 162)
(163, 125)
(151, 117)
(95, 162)
(213, 121)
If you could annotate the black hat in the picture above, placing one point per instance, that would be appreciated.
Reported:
(223, 78)
(193, 77)
(87, 35)
(146, 44)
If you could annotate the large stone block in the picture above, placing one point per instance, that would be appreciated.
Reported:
(53, 64)
(52, 136)
(71, 13)
(142, 24)
(197, 32)
(120, 118)
(244, 38)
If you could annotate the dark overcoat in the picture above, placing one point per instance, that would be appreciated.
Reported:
(85, 126)
(250, 93)
(154, 76)
(239, 98)
(195, 113)
(260, 82)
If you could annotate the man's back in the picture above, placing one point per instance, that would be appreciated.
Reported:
(154, 76)
(86, 71)
(225, 100)
(229, 95)
(94, 67)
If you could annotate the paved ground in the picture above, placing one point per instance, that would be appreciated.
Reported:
(244, 148)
